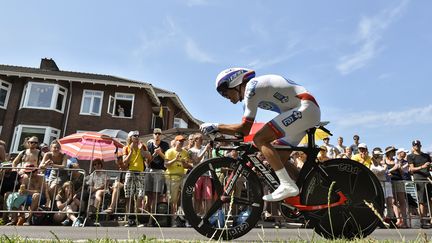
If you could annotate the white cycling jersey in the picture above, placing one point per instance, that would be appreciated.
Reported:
(297, 108)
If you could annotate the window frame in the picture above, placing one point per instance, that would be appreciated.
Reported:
(180, 122)
(49, 132)
(8, 91)
(113, 104)
(91, 103)
(54, 97)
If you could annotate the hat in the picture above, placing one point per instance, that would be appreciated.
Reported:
(390, 149)
(362, 145)
(133, 133)
(416, 142)
(33, 139)
(179, 138)
(30, 168)
(377, 151)
(157, 130)
(6, 165)
(401, 150)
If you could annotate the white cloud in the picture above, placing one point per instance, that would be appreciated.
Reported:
(421, 115)
(195, 53)
(369, 33)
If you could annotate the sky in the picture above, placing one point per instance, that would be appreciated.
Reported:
(368, 63)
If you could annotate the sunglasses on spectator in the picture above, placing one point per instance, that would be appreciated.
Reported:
(135, 135)
(33, 142)
(157, 133)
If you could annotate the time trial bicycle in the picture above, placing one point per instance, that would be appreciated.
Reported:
(339, 198)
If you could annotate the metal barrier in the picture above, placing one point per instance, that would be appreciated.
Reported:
(22, 185)
(110, 199)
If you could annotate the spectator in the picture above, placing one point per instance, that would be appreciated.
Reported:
(363, 155)
(203, 186)
(134, 157)
(30, 155)
(2, 151)
(8, 184)
(298, 158)
(191, 142)
(419, 166)
(97, 182)
(322, 155)
(332, 152)
(340, 147)
(44, 148)
(347, 154)
(117, 186)
(37, 190)
(392, 168)
(15, 201)
(120, 111)
(399, 177)
(58, 161)
(379, 168)
(155, 180)
(354, 147)
(68, 203)
(176, 161)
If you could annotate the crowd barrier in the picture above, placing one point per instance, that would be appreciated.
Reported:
(114, 206)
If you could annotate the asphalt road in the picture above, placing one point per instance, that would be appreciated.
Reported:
(123, 233)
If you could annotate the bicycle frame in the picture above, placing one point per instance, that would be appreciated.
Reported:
(250, 159)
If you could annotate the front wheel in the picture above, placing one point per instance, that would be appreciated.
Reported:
(213, 215)
(357, 218)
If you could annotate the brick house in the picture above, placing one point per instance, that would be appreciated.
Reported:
(50, 103)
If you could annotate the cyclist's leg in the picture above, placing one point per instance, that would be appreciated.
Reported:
(262, 140)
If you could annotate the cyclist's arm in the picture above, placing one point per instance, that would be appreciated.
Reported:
(231, 129)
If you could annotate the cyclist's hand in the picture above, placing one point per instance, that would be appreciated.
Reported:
(207, 128)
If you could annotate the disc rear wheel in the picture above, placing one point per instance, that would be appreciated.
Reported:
(357, 218)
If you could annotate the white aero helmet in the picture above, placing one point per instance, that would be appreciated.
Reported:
(232, 77)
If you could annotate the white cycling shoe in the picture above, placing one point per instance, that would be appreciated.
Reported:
(282, 192)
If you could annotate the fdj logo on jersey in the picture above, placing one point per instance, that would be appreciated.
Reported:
(292, 118)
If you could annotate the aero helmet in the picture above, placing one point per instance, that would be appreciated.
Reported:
(232, 77)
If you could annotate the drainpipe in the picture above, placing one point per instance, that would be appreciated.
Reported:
(68, 109)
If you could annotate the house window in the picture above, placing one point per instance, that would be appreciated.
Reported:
(157, 121)
(91, 103)
(45, 135)
(5, 89)
(180, 123)
(121, 105)
(44, 96)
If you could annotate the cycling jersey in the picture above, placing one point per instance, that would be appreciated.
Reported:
(297, 108)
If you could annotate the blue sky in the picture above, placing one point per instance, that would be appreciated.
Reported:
(366, 62)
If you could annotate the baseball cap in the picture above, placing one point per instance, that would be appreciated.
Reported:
(179, 138)
(157, 130)
(33, 139)
(377, 151)
(43, 145)
(133, 133)
(416, 142)
(362, 145)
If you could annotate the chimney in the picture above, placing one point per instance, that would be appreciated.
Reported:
(48, 64)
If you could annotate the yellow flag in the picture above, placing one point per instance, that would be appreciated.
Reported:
(161, 112)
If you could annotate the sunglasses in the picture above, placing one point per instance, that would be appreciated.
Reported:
(33, 142)
(135, 136)
(157, 133)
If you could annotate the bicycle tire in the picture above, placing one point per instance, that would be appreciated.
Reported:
(354, 219)
(231, 229)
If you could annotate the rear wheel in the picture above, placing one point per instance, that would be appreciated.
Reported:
(354, 219)
(222, 217)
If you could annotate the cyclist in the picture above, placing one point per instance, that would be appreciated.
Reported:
(297, 109)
